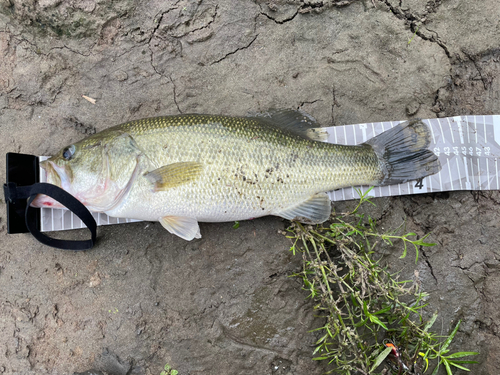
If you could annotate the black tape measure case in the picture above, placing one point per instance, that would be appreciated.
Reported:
(23, 170)
(20, 190)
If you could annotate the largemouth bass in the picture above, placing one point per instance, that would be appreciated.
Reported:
(180, 170)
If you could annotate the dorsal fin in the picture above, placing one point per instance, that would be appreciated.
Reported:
(294, 121)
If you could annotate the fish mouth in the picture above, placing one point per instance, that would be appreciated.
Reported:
(54, 173)
(44, 201)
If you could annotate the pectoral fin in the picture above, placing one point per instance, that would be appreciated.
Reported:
(173, 175)
(186, 228)
(315, 210)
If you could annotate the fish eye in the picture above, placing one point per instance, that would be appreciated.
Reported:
(68, 152)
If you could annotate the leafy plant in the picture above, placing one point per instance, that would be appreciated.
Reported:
(370, 316)
(167, 370)
(449, 360)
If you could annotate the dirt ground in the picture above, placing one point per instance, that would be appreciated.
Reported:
(224, 304)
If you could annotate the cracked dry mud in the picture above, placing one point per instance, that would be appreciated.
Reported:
(225, 304)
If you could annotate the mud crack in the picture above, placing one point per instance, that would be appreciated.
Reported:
(235, 51)
(486, 82)
(175, 93)
(433, 38)
(428, 264)
(415, 21)
(84, 54)
(492, 328)
(38, 51)
(335, 103)
(288, 19)
(158, 19)
(303, 7)
(467, 271)
(311, 102)
(478, 291)
(214, 16)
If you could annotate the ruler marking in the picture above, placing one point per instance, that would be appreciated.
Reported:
(475, 127)
(468, 132)
(460, 128)
(459, 176)
(488, 172)
(472, 175)
(451, 130)
(485, 134)
(467, 182)
(496, 170)
(440, 127)
(429, 125)
(479, 175)
(451, 179)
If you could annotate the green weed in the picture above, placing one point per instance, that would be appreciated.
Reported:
(413, 36)
(371, 317)
(167, 370)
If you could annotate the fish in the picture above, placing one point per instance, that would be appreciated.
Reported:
(189, 168)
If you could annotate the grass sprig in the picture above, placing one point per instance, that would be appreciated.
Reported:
(364, 305)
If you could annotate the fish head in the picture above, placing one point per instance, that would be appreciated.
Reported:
(98, 171)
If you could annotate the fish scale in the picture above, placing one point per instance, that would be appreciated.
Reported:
(188, 168)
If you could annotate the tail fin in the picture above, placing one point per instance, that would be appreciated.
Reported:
(403, 153)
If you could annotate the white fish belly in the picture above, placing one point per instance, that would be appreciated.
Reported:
(207, 201)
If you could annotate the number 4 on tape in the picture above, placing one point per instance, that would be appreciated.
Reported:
(421, 185)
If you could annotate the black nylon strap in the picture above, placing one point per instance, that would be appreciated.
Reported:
(13, 192)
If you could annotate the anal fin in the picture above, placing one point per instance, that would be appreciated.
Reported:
(315, 210)
(186, 228)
